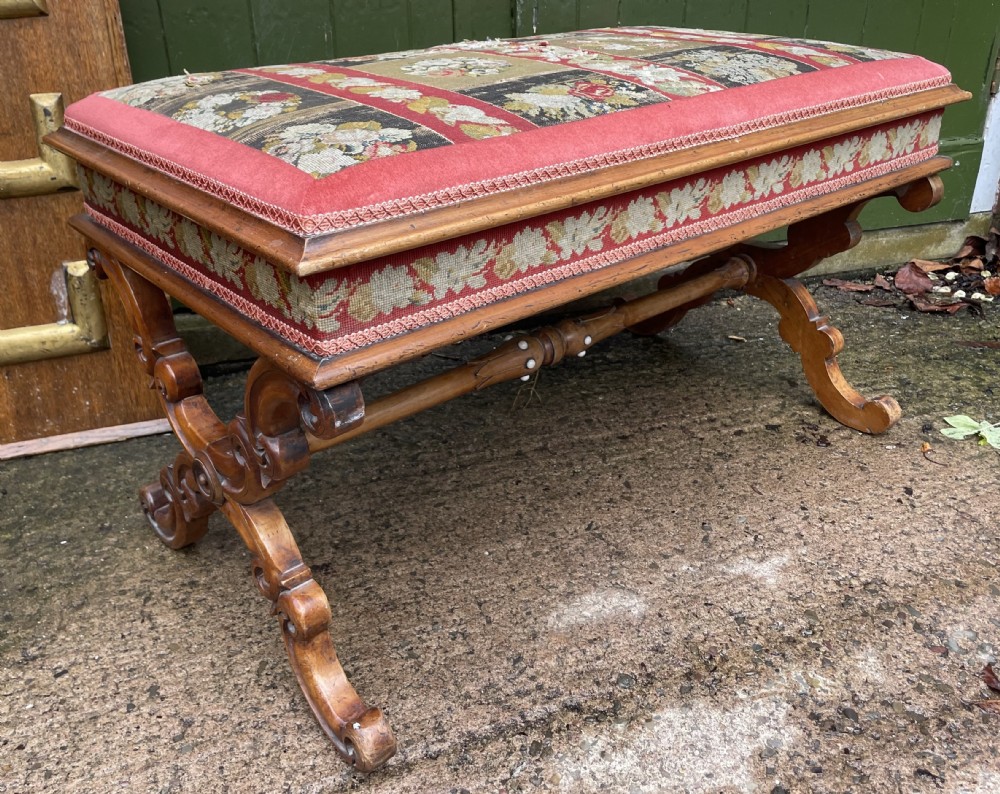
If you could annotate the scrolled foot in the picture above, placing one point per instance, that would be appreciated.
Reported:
(817, 342)
(370, 741)
(359, 732)
(177, 513)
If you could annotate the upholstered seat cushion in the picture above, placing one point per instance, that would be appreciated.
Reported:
(317, 149)
(319, 146)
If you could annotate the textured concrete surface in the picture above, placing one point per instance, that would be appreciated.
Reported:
(667, 570)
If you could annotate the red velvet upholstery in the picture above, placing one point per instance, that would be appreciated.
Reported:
(319, 148)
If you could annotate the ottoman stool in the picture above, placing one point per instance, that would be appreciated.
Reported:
(340, 217)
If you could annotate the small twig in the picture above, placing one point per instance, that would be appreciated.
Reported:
(531, 386)
(924, 449)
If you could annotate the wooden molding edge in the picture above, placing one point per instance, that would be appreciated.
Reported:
(85, 438)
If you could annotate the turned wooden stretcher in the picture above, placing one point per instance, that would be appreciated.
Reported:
(343, 216)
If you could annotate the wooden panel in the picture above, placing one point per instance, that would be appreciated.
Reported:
(716, 15)
(525, 17)
(971, 55)
(651, 12)
(482, 19)
(843, 20)
(75, 50)
(147, 45)
(597, 13)
(288, 32)
(556, 16)
(430, 22)
(892, 24)
(367, 26)
(208, 36)
(777, 19)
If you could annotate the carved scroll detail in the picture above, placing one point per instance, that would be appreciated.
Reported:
(236, 468)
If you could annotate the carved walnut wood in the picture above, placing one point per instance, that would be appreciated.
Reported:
(802, 326)
(811, 336)
(236, 468)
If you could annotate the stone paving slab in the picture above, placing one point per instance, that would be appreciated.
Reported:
(668, 570)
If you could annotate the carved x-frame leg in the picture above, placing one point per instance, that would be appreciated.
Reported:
(802, 326)
(236, 468)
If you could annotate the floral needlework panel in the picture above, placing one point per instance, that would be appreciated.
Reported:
(349, 308)
(326, 116)
(321, 147)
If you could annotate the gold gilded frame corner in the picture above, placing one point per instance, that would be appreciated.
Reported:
(84, 330)
(51, 171)
(13, 9)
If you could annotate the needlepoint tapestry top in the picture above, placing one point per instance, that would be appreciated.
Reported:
(317, 147)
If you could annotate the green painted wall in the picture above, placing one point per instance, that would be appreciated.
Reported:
(168, 36)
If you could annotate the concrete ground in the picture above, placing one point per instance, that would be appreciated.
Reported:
(667, 570)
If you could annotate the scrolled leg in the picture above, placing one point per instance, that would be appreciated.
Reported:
(360, 733)
(236, 468)
(810, 335)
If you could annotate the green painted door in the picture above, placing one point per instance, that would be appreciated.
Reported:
(168, 36)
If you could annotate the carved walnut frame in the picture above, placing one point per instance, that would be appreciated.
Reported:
(238, 467)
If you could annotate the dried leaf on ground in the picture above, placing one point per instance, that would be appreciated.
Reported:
(988, 705)
(912, 280)
(882, 282)
(974, 245)
(928, 266)
(990, 677)
(921, 304)
(847, 286)
(992, 285)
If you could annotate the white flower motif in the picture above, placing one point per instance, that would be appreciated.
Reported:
(732, 190)
(683, 203)
(580, 233)
(638, 218)
(560, 102)
(321, 149)
(293, 70)
(128, 208)
(529, 249)
(190, 241)
(392, 93)
(344, 81)
(455, 114)
(159, 223)
(225, 259)
(810, 167)
(453, 271)
(102, 191)
(878, 147)
(841, 156)
(225, 112)
(154, 90)
(391, 288)
(768, 178)
(743, 68)
(457, 66)
(904, 138)
(665, 78)
(262, 283)
(931, 131)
